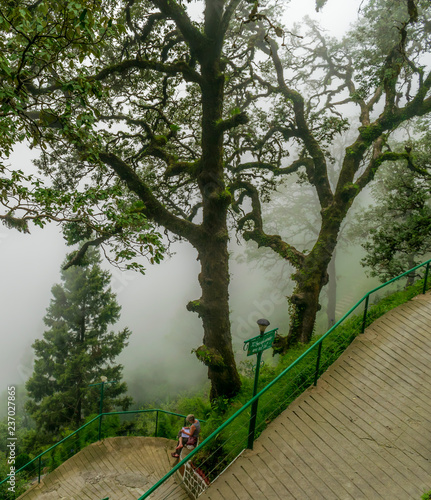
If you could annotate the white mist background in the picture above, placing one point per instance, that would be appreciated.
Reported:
(154, 305)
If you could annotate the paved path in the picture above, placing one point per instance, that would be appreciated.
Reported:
(363, 433)
(121, 468)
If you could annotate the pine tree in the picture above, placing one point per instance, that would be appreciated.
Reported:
(76, 350)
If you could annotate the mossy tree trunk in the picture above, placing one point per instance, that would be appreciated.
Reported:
(213, 306)
(206, 184)
(310, 278)
(332, 291)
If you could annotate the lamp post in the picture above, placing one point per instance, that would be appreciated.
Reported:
(263, 323)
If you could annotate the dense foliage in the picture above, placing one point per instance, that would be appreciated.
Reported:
(396, 230)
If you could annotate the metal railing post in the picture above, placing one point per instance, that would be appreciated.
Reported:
(100, 426)
(157, 422)
(365, 313)
(39, 467)
(319, 353)
(426, 278)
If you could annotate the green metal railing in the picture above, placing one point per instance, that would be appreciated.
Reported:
(317, 346)
(37, 461)
(367, 296)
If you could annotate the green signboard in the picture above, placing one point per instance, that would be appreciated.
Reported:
(260, 343)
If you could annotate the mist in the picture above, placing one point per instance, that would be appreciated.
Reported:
(158, 361)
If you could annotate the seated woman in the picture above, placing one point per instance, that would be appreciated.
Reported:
(191, 433)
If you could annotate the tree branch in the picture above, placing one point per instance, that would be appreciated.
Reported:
(319, 176)
(293, 167)
(181, 167)
(227, 16)
(80, 254)
(180, 67)
(146, 30)
(171, 9)
(169, 69)
(234, 121)
(153, 209)
(287, 252)
(375, 163)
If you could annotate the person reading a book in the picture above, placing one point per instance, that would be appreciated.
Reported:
(188, 436)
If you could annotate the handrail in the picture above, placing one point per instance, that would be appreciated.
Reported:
(366, 297)
(51, 448)
(318, 343)
(123, 412)
(101, 415)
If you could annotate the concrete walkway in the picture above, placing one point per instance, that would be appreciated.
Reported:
(121, 468)
(363, 433)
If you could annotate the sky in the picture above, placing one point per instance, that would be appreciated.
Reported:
(153, 306)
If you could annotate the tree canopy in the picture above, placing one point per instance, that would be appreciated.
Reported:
(187, 123)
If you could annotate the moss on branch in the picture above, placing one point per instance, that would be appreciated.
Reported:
(371, 132)
(209, 356)
(234, 121)
(195, 306)
(279, 246)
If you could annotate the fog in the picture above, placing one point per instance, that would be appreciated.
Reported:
(154, 305)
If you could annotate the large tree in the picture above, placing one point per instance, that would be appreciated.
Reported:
(379, 67)
(159, 121)
(76, 350)
(148, 119)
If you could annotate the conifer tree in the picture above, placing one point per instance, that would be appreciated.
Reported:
(77, 349)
